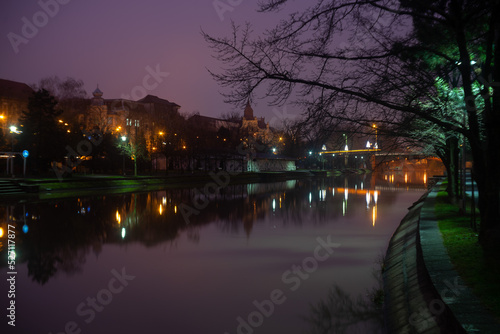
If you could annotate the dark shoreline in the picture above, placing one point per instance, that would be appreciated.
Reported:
(80, 185)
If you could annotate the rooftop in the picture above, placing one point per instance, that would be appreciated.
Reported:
(15, 90)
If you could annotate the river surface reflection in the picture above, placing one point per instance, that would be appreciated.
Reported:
(256, 258)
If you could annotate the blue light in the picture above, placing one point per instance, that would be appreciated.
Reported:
(25, 228)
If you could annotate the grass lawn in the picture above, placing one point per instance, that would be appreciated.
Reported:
(480, 270)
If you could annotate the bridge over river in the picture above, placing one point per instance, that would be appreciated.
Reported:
(371, 158)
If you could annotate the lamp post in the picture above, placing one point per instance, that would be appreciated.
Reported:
(346, 148)
(13, 129)
(376, 136)
(124, 139)
(323, 148)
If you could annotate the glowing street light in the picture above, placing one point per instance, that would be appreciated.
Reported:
(124, 139)
(13, 130)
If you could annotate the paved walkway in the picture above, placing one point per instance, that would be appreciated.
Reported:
(424, 294)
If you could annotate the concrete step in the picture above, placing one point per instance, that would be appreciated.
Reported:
(10, 187)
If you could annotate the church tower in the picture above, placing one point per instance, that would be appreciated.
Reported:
(97, 100)
(248, 113)
(97, 117)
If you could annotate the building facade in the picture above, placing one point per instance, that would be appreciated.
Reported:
(14, 99)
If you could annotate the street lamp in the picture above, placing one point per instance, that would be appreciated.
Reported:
(124, 139)
(13, 130)
(346, 148)
(376, 135)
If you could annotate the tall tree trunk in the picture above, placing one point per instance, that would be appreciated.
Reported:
(488, 186)
(485, 151)
(451, 165)
(490, 212)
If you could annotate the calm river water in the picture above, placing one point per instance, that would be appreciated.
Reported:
(257, 258)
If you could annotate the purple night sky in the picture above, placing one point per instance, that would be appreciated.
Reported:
(113, 43)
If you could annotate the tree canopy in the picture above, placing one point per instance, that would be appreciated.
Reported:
(41, 134)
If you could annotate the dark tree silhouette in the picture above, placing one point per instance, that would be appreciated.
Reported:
(40, 133)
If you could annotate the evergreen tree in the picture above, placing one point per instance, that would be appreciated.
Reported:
(41, 135)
